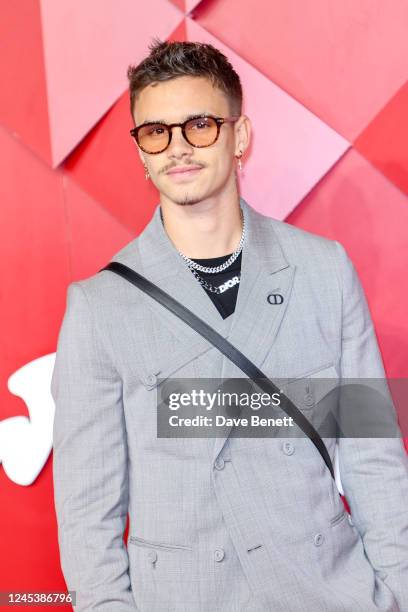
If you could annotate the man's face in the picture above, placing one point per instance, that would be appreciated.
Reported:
(172, 102)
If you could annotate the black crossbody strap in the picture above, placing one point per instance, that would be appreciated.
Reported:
(249, 368)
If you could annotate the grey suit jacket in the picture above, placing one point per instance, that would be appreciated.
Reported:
(222, 524)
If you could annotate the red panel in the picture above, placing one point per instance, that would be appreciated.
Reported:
(34, 272)
(181, 4)
(30, 555)
(107, 166)
(360, 208)
(34, 266)
(23, 102)
(87, 47)
(384, 142)
(179, 33)
(94, 234)
(343, 60)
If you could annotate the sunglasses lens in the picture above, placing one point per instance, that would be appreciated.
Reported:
(153, 138)
(201, 132)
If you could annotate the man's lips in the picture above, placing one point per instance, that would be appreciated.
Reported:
(183, 169)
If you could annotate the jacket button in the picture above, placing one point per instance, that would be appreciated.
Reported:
(288, 448)
(308, 400)
(152, 556)
(219, 554)
(219, 463)
(150, 379)
(318, 539)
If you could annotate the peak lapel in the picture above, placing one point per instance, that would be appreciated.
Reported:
(265, 272)
(154, 256)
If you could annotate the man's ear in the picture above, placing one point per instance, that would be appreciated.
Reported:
(243, 133)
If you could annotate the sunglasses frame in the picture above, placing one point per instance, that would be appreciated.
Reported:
(134, 132)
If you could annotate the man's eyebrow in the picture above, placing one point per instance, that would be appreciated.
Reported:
(186, 118)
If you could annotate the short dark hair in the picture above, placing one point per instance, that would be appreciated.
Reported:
(168, 60)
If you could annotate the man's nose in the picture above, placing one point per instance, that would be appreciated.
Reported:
(178, 143)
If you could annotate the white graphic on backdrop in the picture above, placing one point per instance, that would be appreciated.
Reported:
(26, 442)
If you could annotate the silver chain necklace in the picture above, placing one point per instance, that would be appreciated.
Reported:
(214, 269)
(206, 284)
(226, 264)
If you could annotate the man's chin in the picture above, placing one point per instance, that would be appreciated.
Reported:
(186, 199)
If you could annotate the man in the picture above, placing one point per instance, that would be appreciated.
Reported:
(217, 524)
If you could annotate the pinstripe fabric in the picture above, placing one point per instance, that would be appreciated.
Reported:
(221, 524)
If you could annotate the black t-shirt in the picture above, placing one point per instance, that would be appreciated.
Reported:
(228, 281)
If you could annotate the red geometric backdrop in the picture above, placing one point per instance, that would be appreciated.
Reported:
(325, 87)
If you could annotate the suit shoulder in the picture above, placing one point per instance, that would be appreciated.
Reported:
(289, 233)
(302, 246)
(104, 282)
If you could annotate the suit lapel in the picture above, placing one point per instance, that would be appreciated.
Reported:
(256, 321)
(155, 256)
(264, 271)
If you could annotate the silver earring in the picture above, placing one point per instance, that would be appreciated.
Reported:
(240, 162)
